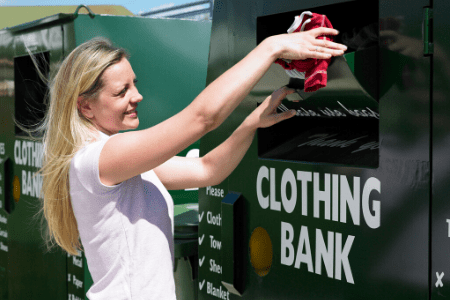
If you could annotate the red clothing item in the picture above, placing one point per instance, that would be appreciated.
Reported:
(315, 69)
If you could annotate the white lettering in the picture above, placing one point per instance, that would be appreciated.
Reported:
(342, 257)
(304, 177)
(322, 196)
(352, 200)
(323, 253)
(30, 152)
(17, 157)
(214, 192)
(373, 221)
(358, 113)
(286, 244)
(262, 173)
(29, 184)
(448, 221)
(215, 267)
(4, 233)
(214, 243)
(332, 195)
(367, 146)
(24, 153)
(321, 141)
(215, 220)
(77, 283)
(3, 247)
(301, 257)
(3, 219)
(335, 197)
(77, 262)
(288, 177)
(34, 154)
(24, 182)
(319, 138)
(331, 253)
(274, 204)
(217, 292)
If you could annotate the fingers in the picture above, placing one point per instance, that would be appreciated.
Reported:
(274, 100)
(269, 115)
(283, 116)
(285, 90)
(324, 53)
(319, 55)
(318, 32)
(280, 94)
(323, 31)
(328, 44)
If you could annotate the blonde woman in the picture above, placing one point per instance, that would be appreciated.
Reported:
(110, 189)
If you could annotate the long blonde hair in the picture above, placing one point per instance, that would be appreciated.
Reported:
(65, 131)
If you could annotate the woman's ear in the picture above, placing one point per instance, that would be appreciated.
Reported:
(84, 107)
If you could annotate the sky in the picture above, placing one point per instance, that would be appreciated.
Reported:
(135, 6)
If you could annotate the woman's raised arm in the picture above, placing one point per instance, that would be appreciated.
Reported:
(129, 154)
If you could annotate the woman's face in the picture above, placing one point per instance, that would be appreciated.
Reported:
(115, 108)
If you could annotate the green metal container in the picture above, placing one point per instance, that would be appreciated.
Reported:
(349, 198)
(168, 56)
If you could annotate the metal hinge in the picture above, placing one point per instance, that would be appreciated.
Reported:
(428, 46)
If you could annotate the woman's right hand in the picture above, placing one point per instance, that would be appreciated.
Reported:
(306, 44)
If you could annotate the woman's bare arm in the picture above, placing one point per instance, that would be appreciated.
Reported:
(129, 154)
(211, 169)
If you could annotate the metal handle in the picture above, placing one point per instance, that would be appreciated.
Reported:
(426, 31)
(91, 14)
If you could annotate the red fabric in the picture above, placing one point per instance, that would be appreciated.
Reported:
(315, 69)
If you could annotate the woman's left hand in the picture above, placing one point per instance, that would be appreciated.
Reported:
(265, 115)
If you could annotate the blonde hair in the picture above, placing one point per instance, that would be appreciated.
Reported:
(66, 131)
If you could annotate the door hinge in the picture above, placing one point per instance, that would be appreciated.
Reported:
(427, 27)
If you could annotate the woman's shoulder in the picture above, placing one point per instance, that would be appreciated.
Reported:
(85, 164)
(96, 140)
(91, 148)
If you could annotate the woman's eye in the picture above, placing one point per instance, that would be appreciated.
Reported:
(122, 92)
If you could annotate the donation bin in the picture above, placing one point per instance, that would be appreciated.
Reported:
(168, 56)
(335, 202)
(186, 251)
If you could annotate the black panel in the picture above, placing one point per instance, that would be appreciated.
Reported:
(337, 124)
(30, 89)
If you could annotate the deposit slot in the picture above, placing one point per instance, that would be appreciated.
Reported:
(30, 89)
(337, 124)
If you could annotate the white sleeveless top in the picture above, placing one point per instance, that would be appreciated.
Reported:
(126, 231)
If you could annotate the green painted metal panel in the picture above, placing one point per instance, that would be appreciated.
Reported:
(440, 212)
(44, 274)
(5, 175)
(323, 247)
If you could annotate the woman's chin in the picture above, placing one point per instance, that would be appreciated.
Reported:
(133, 125)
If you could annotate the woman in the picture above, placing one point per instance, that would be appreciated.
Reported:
(110, 190)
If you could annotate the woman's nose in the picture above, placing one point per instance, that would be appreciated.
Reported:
(137, 97)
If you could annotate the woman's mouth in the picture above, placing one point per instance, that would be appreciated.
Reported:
(131, 113)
